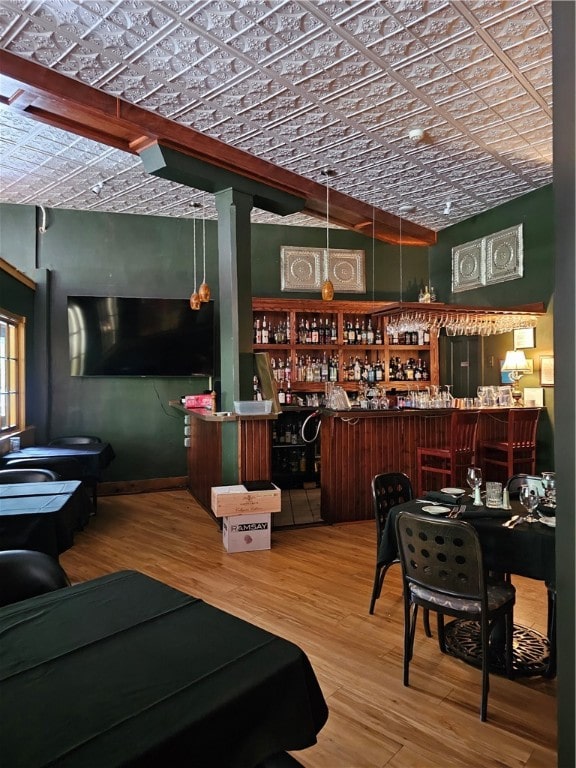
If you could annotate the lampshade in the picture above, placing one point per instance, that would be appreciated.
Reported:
(515, 360)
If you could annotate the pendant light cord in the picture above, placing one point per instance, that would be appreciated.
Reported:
(194, 250)
(203, 238)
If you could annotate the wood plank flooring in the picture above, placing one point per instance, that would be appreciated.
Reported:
(313, 587)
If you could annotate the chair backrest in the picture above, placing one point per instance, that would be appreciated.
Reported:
(27, 476)
(68, 468)
(522, 425)
(75, 440)
(441, 554)
(388, 490)
(463, 429)
(27, 573)
(536, 484)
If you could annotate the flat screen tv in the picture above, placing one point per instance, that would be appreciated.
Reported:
(119, 336)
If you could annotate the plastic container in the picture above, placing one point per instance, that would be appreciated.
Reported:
(252, 407)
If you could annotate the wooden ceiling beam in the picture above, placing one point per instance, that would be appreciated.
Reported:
(55, 99)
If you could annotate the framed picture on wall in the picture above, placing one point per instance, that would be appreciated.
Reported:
(524, 338)
(547, 370)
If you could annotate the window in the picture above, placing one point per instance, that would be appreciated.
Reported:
(12, 360)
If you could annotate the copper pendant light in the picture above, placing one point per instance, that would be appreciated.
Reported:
(204, 290)
(327, 285)
(194, 298)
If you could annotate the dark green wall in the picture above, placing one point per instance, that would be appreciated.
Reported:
(122, 255)
(535, 211)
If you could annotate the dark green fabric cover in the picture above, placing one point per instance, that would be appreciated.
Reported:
(124, 670)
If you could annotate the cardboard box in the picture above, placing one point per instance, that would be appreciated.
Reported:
(198, 401)
(237, 500)
(246, 533)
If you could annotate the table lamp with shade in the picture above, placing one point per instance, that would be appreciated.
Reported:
(515, 365)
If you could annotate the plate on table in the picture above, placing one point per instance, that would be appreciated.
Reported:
(436, 509)
(453, 491)
(549, 521)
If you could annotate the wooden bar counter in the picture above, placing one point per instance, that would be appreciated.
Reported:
(356, 445)
(204, 456)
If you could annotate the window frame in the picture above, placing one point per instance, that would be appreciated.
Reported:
(15, 382)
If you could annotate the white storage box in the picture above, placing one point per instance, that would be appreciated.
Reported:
(238, 500)
(246, 533)
(252, 407)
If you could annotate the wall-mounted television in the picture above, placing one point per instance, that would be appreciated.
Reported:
(120, 336)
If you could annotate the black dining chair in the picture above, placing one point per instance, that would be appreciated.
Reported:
(26, 573)
(443, 571)
(513, 484)
(388, 490)
(75, 440)
(27, 476)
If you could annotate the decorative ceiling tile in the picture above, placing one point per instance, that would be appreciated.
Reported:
(306, 86)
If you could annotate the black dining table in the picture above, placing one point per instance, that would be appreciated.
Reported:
(125, 670)
(42, 516)
(527, 549)
(93, 457)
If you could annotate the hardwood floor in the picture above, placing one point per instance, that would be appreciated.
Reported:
(313, 587)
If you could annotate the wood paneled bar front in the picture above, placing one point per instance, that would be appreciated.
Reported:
(204, 454)
(356, 445)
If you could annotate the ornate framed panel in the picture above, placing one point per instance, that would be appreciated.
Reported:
(504, 255)
(305, 269)
(346, 270)
(302, 269)
(468, 266)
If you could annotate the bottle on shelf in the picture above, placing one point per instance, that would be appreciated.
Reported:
(288, 397)
(265, 338)
(281, 394)
(257, 331)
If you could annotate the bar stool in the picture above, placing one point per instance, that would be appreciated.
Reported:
(449, 462)
(516, 453)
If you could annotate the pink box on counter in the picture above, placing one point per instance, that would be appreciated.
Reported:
(198, 401)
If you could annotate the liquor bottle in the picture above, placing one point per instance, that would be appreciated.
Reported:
(351, 333)
(357, 332)
(426, 337)
(301, 332)
(363, 333)
(357, 370)
(378, 336)
(314, 332)
(333, 333)
(425, 372)
(308, 333)
(370, 332)
(324, 368)
(333, 369)
(257, 332)
(378, 372)
(264, 330)
(409, 370)
(281, 394)
(288, 393)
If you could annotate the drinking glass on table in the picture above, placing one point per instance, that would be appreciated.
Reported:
(529, 501)
(474, 480)
(549, 483)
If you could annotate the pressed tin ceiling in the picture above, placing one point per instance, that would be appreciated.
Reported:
(306, 86)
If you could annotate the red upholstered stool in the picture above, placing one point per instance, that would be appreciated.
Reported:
(446, 465)
(516, 453)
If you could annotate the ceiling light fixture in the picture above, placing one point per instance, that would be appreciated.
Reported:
(327, 285)
(195, 298)
(97, 188)
(416, 134)
(204, 290)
